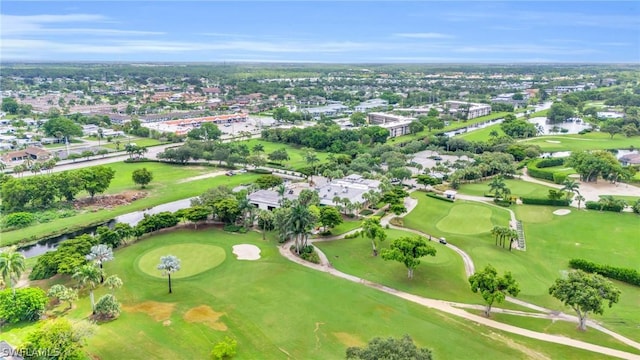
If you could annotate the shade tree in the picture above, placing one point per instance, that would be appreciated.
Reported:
(408, 251)
(492, 287)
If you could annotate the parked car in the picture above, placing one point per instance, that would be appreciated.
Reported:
(230, 173)
(443, 241)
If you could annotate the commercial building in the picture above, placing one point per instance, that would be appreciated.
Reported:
(183, 126)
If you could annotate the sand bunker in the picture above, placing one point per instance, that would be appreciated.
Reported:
(561, 212)
(553, 141)
(206, 315)
(246, 252)
(157, 310)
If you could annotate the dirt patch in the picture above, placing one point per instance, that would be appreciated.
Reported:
(562, 212)
(200, 177)
(109, 201)
(166, 323)
(529, 353)
(206, 315)
(348, 339)
(157, 310)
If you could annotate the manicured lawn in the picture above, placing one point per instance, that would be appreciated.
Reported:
(296, 155)
(165, 187)
(563, 328)
(482, 134)
(346, 226)
(275, 309)
(143, 142)
(201, 258)
(589, 141)
(518, 188)
(552, 240)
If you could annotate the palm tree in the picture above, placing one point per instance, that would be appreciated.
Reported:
(571, 187)
(300, 223)
(312, 159)
(258, 148)
(100, 136)
(113, 282)
(88, 275)
(19, 169)
(168, 265)
(497, 186)
(580, 199)
(11, 266)
(99, 254)
(282, 188)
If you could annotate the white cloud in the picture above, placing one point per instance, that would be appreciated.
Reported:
(427, 35)
(18, 25)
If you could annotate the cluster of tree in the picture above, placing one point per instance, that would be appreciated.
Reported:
(503, 233)
(499, 107)
(560, 112)
(62, 128)
(328, 138)
(25, 304)
(283, 114)
(600, 163)
(206, 131)
(11, 106)
(486, 164)
(40, 192)
(624, 126)
(58, 336)
(518, 127)
(229, 153)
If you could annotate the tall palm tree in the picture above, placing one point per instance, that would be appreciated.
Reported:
(99, 254)
(497, 185)
(11, 266)
(580, 199)
(571, 187)
(282, 188)
(88, 275)
(312, 159)
(168, 265)
(300, 224)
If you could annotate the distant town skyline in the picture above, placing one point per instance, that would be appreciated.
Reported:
(324, 31)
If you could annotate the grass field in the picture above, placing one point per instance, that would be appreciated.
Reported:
(589, 141)
(518, 188)
(275, 309)
(482, 134)
(297, 155)
(165, 187)
(552, 241)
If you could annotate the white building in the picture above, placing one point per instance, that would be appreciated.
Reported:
(472, 110)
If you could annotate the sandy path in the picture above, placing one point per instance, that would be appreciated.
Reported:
(203, 176)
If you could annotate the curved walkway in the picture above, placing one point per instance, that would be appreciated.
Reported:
(447, 307)
(456, 308)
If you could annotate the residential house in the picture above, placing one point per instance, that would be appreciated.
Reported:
(630, 159)
(33, 153)
(371, 104)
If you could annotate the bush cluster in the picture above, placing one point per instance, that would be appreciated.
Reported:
(630, 276)
(436, 196)
(594, 205)
(308, 253)
(353, 235)
(535, 169)
(26, 305)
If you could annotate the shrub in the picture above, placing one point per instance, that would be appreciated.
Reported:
(27, 304)
(503, 203)
(534, 168)
(545, 201)
(226, 348)
(260, 171)
(595, 205)
(366, 212)
(353, 235)
(545, 163)
(107, 307)
(559, 178)
(19, 219)
(636, 207)
(630, 276)
(234, 228)
(436, 196)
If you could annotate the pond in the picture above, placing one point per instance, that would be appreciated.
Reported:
(572, 126)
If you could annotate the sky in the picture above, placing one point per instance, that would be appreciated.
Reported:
(321, 31)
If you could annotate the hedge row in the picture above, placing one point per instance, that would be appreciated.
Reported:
(545, 201)
(630, 276)
(550, 162)
(260, 171)
(436, 196)
(535, 169)
(594, 205)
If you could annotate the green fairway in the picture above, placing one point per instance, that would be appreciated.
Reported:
(168, 185)
(589, 141)
(296, 155)
(552, 241)
(483, 134)
(518, 188)
(275, 309)
(561, 328)
(457, 221)
(194, 259)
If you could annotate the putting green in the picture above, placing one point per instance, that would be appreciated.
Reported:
(466, 219)
(194, 259)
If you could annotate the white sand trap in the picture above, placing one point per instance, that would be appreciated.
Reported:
(561, 212)
(246, 252)
(553, 141)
